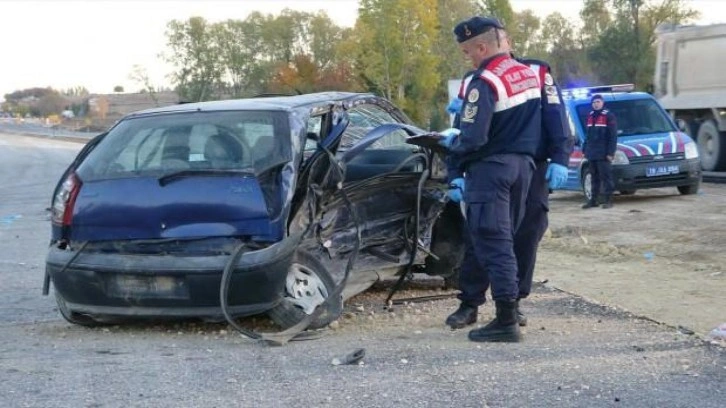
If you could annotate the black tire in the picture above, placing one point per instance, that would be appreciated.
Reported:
(74, 317)
(689, 190)
(627, 192)
(711, 148)
(289, 311)
(586, 182)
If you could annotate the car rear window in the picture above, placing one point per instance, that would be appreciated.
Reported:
(250, 141)
(634, 116)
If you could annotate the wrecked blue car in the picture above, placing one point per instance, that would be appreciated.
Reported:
(304, 201)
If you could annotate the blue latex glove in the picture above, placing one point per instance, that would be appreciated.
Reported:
(454, 106)
(556, 175)
(449, 136)
(456, 190)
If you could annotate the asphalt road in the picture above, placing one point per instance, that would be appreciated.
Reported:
(575, 354)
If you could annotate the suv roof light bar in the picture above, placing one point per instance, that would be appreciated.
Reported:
(587, 91)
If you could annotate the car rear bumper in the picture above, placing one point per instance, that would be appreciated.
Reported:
(634, 176)
(166, 286)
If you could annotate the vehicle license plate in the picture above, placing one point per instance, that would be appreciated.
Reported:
(165, 287)
(654, 171)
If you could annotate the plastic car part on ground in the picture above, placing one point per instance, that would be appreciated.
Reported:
(718, 333)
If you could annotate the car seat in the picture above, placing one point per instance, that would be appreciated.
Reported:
(223, 150)
(176, 148)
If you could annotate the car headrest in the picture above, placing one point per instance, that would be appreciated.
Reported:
(223, 146)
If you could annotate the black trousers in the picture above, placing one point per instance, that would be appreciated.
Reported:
(496, 193)
(534, 225)
(602, 178)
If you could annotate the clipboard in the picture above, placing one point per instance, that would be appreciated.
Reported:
(429, 141)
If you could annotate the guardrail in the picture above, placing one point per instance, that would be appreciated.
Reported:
(32, 129)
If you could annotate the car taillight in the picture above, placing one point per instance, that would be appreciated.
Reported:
(65, 199)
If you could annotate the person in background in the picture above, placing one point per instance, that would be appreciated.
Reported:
(601, 140)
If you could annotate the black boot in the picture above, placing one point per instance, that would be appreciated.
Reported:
(521, 318)
(504, 327)
(591, 203)
(608, 203)
(463, 316)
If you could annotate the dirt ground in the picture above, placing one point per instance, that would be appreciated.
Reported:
(656, 254)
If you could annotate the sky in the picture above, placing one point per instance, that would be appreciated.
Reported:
(96, 43)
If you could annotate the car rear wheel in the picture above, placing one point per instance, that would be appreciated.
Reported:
(74, 317)
(307, 286)
(711, 147)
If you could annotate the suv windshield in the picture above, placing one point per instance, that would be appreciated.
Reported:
(248, 141)
(634, 117)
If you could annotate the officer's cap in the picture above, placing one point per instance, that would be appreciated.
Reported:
(474, 26)
(596, 97)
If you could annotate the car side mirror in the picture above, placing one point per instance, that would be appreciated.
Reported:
(682, 125)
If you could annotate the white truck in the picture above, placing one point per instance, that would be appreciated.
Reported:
(690, 83)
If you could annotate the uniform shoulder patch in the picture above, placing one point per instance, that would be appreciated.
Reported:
(473, 95)
(469, 114)
(550, 90)
(548, 80)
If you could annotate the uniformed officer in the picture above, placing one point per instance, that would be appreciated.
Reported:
(600, 144)
(551, 161)
(499, 135)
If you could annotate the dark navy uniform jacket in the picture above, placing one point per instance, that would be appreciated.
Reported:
(557, 141)
(602, 135)
(501, 113)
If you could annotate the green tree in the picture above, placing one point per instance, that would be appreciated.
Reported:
(501, 9)
(564, 54)
(395, 44)
(624, 51)
(323, 36)
(595, 18)
(118, 88)
(241, 53)
(450, 13)
(195, 53)
(528, 42)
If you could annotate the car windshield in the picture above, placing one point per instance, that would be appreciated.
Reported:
(634, 117)
(247, 141)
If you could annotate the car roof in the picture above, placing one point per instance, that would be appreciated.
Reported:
(281, 103)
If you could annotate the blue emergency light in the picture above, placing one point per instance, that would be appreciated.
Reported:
(581, 93)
